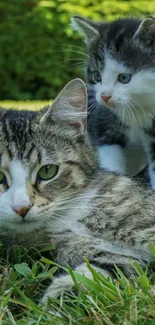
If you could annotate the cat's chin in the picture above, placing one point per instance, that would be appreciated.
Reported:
(24, 226)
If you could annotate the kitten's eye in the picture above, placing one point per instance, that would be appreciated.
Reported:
(2, 178)
(124, 78)
(96, 76)
(47, 172)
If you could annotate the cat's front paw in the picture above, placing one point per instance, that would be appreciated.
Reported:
(60, 285)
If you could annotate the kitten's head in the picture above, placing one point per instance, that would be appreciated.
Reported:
(44, 160)
(121, 65)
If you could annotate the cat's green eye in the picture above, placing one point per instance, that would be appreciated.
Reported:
(2, 178)
(97, 76)
(47, 172)
(124, 78)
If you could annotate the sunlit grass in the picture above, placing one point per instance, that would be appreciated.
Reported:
(31, 105)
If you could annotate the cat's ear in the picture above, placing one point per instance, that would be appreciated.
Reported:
(87, 27)
(146, 30)
(70, 106)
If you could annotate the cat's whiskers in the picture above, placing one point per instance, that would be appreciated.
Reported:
(76, 60)
(80, 239)
(59, 217)
(96, 108)
(73, 66)
(73, 51)
(130, 113)
(61, 205)
(118, 122)
(92, 109)
(121, 121)
(71, 225)
(68, 202)
(142, 109)
(71, 46)
(92, 100)
(136, 113)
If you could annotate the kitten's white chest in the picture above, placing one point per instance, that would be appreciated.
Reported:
(129, 160)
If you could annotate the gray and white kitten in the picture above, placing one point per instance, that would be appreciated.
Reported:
(51, 190)
(121, 82)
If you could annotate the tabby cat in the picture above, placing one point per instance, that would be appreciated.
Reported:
(120, 73)
(52, 190)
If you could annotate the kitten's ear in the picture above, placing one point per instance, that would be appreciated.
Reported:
(146, 30)
(70, 106)
(87, 27)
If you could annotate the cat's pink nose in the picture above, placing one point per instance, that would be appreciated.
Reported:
(22, 211)
(105, 98)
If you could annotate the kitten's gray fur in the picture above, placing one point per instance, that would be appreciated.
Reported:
(83, 211)
(125, 126)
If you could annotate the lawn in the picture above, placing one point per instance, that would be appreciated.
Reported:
(32, 105)
(25, 274)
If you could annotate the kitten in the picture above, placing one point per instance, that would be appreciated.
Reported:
(121, 81)
(52, 190)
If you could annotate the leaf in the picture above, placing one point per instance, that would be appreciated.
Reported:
(44, 275)
(47, 248)
(53, 270)
(34, 269)
(23, 269)
(152, 248)
(47, 261)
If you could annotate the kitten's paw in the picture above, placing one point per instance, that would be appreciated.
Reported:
(59, 285)
(152, 177)
(153, 186)
(111, 157)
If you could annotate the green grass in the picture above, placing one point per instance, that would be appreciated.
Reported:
(26, 273)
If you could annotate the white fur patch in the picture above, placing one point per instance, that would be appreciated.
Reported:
(152, 175)
(19, 175)
(130, 160)
(112, 158)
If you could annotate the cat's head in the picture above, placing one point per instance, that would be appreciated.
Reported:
(45, 159)
(121, 64)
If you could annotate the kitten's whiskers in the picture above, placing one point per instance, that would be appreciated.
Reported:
(136, 113)
(130, 113)
(143, 111)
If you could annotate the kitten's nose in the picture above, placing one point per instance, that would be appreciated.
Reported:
(22, 211)
(105, 98)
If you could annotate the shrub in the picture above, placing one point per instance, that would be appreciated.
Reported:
(39, 51)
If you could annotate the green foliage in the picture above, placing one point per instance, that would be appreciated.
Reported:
(40, 52)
